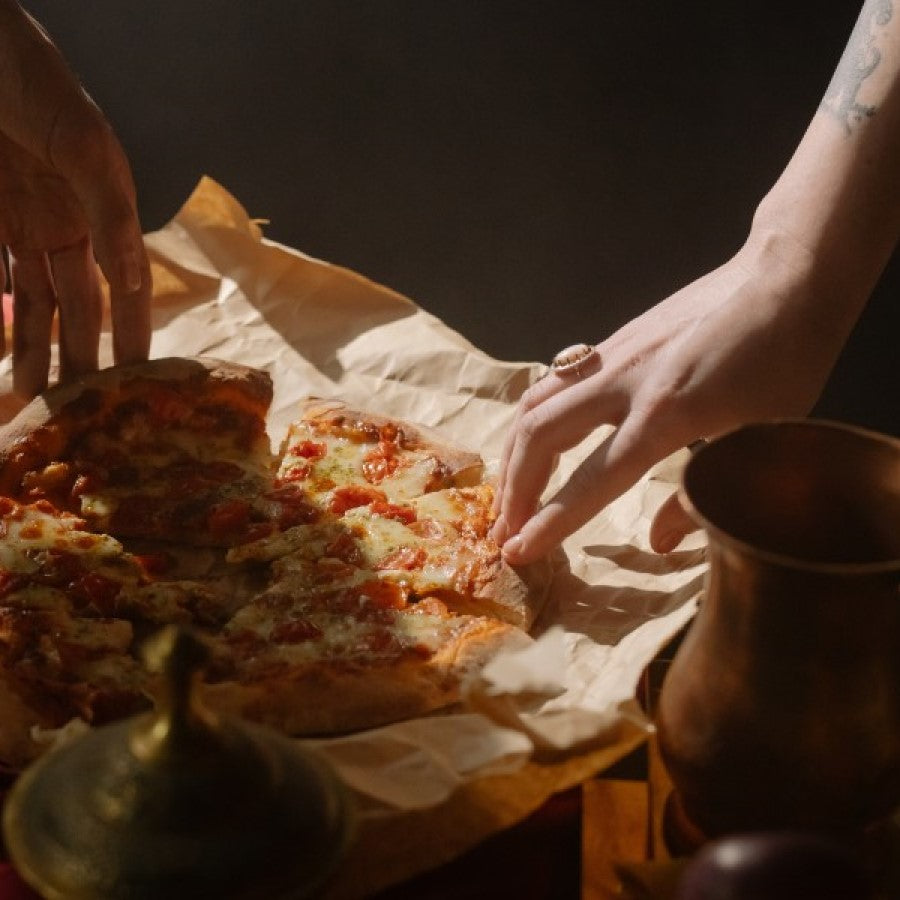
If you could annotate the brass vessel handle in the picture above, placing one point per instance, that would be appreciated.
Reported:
(181, 722)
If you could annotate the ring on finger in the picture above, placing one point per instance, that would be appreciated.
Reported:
(570, 360)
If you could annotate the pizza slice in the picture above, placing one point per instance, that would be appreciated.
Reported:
(437, 544)
(337, 454)
(334, 648)
(173, 449)
(74, 607)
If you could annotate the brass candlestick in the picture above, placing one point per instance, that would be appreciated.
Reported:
(177, 804)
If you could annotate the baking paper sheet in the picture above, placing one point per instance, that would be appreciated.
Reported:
(540, 719)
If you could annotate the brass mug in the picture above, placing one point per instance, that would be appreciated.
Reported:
(781, 708)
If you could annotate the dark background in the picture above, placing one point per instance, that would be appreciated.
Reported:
(534, 173)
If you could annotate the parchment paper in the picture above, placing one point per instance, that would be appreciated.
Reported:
(540, 719)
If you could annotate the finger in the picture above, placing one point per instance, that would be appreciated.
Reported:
(556, 425)
(542, 390)
(46, 111)
(536, 394)
(34, 304)
(80, 303)
(671, 524)
(609, 471)
(4, 266)
(85, 151)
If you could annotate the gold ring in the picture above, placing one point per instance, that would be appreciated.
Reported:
(570, 360)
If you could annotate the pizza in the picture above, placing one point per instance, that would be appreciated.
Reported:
(343, 581)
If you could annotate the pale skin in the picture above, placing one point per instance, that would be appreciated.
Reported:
(754, 339)
(67, 199)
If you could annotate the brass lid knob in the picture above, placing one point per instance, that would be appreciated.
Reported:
(177, 804)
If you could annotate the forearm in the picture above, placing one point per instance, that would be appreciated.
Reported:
(835, 210)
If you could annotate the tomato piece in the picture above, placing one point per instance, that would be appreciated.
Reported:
(228, 517)
(384, 594)
(295, 631)
(309, 450)
(296, 473)
(354, 495)
(86, 483)
(295, 508)
(344, 548)
(156, 563)
(407, 558)
(427, 528)
(381, 462)
(93, 589)
(404, 514)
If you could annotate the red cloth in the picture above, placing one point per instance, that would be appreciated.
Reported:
(11, 885)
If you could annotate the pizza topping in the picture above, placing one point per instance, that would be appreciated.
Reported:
(382, 594)
(309, 449)
(156, 563)
(381, 462)
(295, 473)
(408, 558)
(293, 507)
(94, 592)
(345, 548)
(401, 513)
(354, 495)
(228, 517)
(352, 555)
(295, 631)
(89, 483)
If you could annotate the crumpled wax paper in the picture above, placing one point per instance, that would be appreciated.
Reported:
(539, 719)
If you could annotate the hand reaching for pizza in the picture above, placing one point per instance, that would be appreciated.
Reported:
(753, 339)
(66, 197)
(730, 348)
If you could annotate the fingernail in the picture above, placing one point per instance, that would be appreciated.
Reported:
(668, 541)
(498, 531)
(512, 548)
(130, 270)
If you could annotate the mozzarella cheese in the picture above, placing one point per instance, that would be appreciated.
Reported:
(343, 465)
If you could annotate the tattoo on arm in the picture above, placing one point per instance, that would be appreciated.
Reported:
(859, 60)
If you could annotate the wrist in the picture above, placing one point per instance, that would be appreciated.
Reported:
(803, 280)
(834, 261)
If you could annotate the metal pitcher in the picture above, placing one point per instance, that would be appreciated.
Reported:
(781, 708)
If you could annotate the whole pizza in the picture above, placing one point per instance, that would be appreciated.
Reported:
(345, 581)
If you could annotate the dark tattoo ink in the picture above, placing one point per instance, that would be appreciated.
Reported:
(859, 60)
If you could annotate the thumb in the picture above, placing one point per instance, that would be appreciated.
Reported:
(671, 524)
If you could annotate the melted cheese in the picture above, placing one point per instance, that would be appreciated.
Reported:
(343, 466)
(29, 531)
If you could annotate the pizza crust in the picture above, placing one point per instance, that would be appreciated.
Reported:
(514, 595)
(30, 430)
(330, 698)
(253, 385)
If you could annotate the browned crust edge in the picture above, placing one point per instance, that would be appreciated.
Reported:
(516, 596)
(253, 384)
(320, 699)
